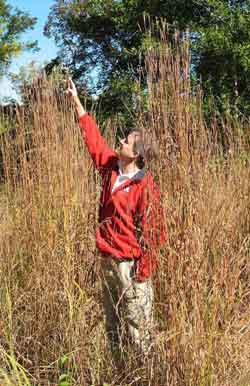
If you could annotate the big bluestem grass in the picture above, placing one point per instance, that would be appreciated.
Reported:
(50, 292)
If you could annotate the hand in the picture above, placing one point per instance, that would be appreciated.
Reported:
(72, 93)
(71, 90)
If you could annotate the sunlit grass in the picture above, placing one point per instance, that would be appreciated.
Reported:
(51, 319)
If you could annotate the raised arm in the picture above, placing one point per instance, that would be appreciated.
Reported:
(103, 156)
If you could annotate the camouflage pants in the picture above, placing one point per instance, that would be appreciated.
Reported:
(127, 304)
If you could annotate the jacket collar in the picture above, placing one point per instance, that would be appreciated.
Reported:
(137, 177)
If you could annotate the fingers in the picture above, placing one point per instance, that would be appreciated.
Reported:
(71, 91)
(71, 84)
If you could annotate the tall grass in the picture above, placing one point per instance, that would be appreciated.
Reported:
(51, 317)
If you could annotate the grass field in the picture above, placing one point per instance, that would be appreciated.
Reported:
(51, 319)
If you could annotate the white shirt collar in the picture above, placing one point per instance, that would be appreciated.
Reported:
(139, 172)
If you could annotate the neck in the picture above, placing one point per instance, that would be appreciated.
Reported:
(128, 166)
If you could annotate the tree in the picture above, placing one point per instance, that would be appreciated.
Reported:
(223, 55)
(13, 22)
(110, 35)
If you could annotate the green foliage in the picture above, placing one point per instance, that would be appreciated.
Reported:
(12, 373)
(13, 22)
(223, 54)
(109, 36)
(64, 380)
(65, 377)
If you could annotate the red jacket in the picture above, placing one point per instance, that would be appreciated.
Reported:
(131, 222)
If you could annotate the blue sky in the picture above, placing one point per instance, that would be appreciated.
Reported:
(48, 49)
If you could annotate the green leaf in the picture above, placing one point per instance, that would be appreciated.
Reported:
(63, 360)
(64, 380)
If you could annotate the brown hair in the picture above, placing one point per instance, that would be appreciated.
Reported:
(146, 148)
